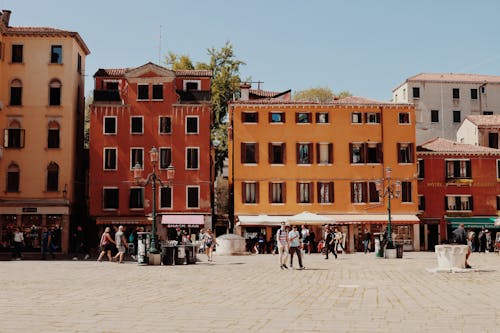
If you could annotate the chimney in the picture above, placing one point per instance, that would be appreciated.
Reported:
(5, 17)
(245, 91)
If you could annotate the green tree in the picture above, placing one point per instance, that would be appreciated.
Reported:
(319, 95)
(225, 85)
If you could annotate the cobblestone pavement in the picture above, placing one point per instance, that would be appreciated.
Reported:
(355, 293)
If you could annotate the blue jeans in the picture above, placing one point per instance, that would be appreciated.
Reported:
(366, 242)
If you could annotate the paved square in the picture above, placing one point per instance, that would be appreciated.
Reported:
(355, 293)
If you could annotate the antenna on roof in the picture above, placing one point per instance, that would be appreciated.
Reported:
(159, 48)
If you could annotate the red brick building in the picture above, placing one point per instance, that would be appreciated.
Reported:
(134, 110)
(457, 183)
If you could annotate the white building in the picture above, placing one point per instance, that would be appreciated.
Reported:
(442, 101)
(480, 131)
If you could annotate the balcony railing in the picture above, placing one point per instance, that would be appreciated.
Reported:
(194, 95)
(107, 96)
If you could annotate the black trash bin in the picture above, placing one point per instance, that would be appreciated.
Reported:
(169, 255)
(399, 250)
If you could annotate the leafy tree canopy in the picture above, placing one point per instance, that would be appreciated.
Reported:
(319, 95)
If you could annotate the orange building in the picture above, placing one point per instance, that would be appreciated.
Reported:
(42, 114)
(134, 110)
(289, 157)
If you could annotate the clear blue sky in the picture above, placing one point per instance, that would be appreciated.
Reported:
(366, 47)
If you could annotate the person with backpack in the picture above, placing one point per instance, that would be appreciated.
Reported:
(460, 237)
(283, 247)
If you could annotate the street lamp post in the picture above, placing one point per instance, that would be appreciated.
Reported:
(153, 178)
(387, 187)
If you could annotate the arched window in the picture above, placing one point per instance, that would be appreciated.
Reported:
(14, 135)
(16, 92)
(55, 92)
(53, 140)
(52, 177)
(13, 178)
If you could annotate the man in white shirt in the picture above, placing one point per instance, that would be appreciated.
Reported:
(294, 239)
(282, 240)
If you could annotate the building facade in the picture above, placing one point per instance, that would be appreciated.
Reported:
(457, 183)
(42, 114)
(134, 110)
(288, 157)
(480, 130)
(443, 100)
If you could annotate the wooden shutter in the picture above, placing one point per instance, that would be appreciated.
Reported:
(311, 153)
(365, 192)
(243, 153)
(270, 192)
(283, 192)
(398, 147)
(296, 117)
(311, 192)
(352, 192)
(330, 153)
(318, 151)
(270, 117)
(332, 195)
(297, 152)
(270, 158)
(411, 151)
(380, 153)
(256, 152)
(283, 117)
(350, 152)
(297, 192)
(468, 169)
(283, 145)
(243, 192)
(257, 193)
(364, 152)
(471, 204)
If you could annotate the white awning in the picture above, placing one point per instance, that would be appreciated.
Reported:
(310, 219)
(261, 220)
(354, 218)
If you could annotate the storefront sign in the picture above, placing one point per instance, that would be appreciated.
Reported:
(29, 209)
(181, 225)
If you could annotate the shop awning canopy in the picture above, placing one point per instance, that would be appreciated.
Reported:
(261, 220)
(183, 221)
(474, 221)
(375, 218)
(310, 219)
(122, 220)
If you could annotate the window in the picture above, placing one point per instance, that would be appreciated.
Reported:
(304, 153)
(191, 125)
(165, 158)
(358, 192)
(136, 125)
(498, 168)
(192, 158)
(373, 118)
(110, 158)
(324, 153)
(250, 193)
(421, 202)
(458, 169)
(356, 118)
(276, 117)
(373, 195)
(322, 118)
(190, 85)
(158, 92)
(420, 169)
(142, 92)
(79, 64)
(473, 94)
(249, 152)
(17, 54)
(303, 117)
(13, 178)
(193, 197)
(457, 118)
(493, 140)
(136, 157)
(52, 177)
(165, 125)
(276, 153)
(404, 117)
(53, 140)
(434, 116)
(111, 85)
(56, 54)
(416, 92)
(456, 93)
(357, 153)
(110, 198)
(14, 136)
(498, 202)
(136, 198)
(165, 197)
(250, 117)
(405, 152)
(110, 125)
(458, 202)
(16, 93)
(487, 113)
(277, 193)
(406, 192)
(325, 192)
(373, 152)
(304, 193)
(55, 92)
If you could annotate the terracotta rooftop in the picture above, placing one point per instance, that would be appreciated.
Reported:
(440, 145)
(484, 120)
(118, 72)
(267, 94)
(452, 78)
(352, 101)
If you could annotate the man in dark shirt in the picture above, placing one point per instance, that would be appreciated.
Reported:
(460, 237)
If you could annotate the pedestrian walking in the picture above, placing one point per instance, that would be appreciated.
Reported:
(47, 240)
(18, 244)
(330, 243)
(106, 245)
(79, 244)
(294, 240)
(304, 234)
(210, 242)
(121, 245)
(283, 249)
(338, 237)
(367, 240)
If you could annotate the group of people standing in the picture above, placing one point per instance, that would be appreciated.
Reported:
(291, 242)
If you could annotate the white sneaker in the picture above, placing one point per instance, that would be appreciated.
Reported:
(133, 257)
(87, 256)
(75, 258)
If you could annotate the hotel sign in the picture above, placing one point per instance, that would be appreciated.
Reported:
(30, 209)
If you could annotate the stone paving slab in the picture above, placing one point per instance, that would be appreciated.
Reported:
(355, 293)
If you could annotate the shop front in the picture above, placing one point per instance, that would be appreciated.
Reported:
(189, 223)
(476, 224)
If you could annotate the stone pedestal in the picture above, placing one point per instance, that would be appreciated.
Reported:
(390, 253)
(154, 259)
(451, 256)
(230, 244)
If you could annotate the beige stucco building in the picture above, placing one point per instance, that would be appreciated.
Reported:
(443, 100)
(41, 114)
(480, 131)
